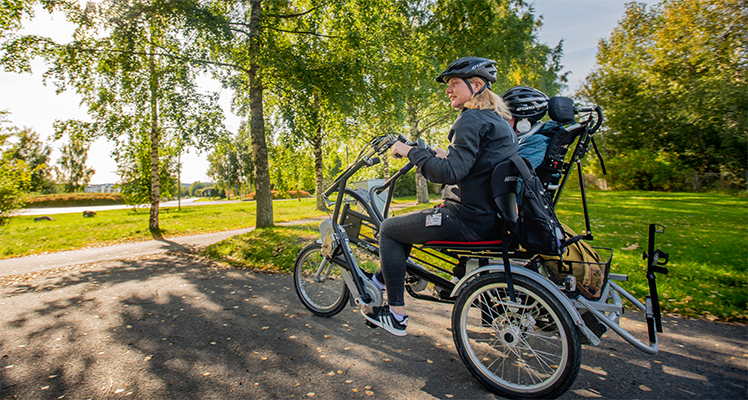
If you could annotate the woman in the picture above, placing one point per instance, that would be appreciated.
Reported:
(480, 138)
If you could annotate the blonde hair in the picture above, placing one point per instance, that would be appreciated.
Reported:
(488, 100)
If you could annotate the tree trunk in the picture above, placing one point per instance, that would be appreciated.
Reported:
(422, 187)
(155, 188)
(263, 195)
(386, 165)
(319, 183)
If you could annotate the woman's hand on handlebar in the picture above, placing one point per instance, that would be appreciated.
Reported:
(400, 149)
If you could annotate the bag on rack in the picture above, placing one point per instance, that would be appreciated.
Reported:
(581, 261)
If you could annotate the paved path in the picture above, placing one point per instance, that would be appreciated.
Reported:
(176, 326)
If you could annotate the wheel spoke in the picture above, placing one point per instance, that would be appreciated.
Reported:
(318, 282)
(518, 348)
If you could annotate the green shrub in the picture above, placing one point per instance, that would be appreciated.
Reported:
(406, 185)
(644, 170)
(74, 199)
(14, 177)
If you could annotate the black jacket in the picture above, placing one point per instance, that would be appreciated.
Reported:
(479, 140)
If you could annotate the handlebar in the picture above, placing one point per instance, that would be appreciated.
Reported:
(419, 143)
(367, 157)
(598, 118)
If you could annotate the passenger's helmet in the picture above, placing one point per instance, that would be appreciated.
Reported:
(526, 103)
(468, 67)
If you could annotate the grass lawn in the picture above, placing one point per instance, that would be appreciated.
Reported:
(22, 236)
(706, 237)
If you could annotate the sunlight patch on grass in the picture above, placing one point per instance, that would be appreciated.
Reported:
(270, 249)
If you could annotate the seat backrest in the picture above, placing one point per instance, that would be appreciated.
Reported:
(552, 167)
(504, 191)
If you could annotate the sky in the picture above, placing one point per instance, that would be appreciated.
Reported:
(579, 23)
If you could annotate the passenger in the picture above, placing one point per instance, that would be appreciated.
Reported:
(528, 106)
(480, 138)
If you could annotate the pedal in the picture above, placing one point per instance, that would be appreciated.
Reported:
(597, 327)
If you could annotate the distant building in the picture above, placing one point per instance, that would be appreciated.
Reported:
(103, 188)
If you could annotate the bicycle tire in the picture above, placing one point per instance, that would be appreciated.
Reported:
(325, 296)
(529, 351)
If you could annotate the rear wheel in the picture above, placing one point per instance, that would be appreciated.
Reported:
(527, 349)
(318, 282)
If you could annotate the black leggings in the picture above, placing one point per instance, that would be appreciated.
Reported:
(397, 236)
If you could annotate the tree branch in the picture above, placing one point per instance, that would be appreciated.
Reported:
(304, 33)
(169, 55)
(301, 14)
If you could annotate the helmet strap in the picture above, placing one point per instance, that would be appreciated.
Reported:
(487, 84)
(469, 86)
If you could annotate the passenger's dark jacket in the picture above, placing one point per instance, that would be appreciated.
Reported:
(480, 139)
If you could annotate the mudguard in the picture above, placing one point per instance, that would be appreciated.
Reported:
(568, 305)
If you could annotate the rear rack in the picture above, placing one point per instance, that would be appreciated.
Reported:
(656, 260)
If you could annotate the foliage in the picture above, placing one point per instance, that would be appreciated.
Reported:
(73, 199)
(15, 176)
(195, 187)
(674, 79)
(26, 145)
(406, 185)
(134, 166)
(643, 170)
(230, 162)
(290, 169)
(13, 179)
(13, 11)
(71, 168)
(132, 65)
(249, 51)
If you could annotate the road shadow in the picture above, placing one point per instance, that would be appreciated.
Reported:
(180, 326)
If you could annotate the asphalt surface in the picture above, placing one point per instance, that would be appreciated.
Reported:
(169, 324)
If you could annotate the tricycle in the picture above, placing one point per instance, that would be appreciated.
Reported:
(521, 337)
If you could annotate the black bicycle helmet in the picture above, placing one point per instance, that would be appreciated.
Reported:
(526, 103)
(468, 67)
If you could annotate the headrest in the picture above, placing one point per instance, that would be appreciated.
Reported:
(561, 109)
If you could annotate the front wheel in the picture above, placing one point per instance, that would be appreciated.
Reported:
(318, 282)
(527, 349)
